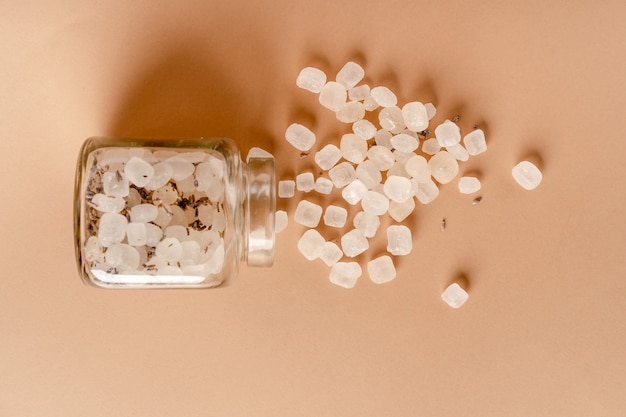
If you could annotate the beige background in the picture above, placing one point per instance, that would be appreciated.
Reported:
(543, 333)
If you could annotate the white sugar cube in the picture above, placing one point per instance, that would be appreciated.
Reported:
(368, 173)
(415, 116)
(143, 213)
(350, 112)
(400, 211)
(381, 156)
(136, 234)
(342, 174)
(258, 153)
(375, 203)
(181, 167)
(323, 185)
(300, 137)
(426, 191)
(366, 223)
(354, 243)
(138, 171)
(153, 234)
(345, 274)
(354, 192)
(398, 188)
(281, 220)
(112, 229)
(115, 184)
(475, 142)
(443, 167)
(399, 240)
(384, 96)
(370, 104)
(335, 216)
(123, 257)
(431, 146)
(383, 138)
(333, 96)
(455, 296)
(330, 253)
(107, 204)
(458, 151)
(353, 148)
(430, 110)
(417, 167)
(404, 143)
(390, 118)
(448, 133)
(311, 79)
(310, 244)
(169, 249)
(308, 214)
(350, 75)
(527, 175)
(359, 93)
(305, 182)
(469, 185)
(327, 157)
(364, 128)
(381, 269)
(286, 188)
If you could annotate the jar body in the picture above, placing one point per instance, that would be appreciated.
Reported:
(167, 213)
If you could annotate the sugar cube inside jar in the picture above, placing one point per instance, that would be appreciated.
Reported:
(171, 213)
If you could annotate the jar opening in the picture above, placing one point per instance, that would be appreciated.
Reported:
(260, 209)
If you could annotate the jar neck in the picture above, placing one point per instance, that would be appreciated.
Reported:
(259, 180)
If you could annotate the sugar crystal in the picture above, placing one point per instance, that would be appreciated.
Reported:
(335, 216)
(469, 185)
(458, 151)
(430, 110)
(112, 229)
(136, 234)
(404, 143)
(383, 138)
(311, 79)
(399, 240)
(455, 296)
(333, 96)
(384, 96)
(354, 192)
(138, 171)
(107, 204)
(353, 148)
(448, 133)
(115, 184)
(345, 274)
(122, 257)
(161, 176)
(381, 156)
(169, 249)
(368, 173)
(323, 185)
(143, 213)
(351, 112)
(390, 118)
(426, 191)
(342, 174)
(364, 128)
(527, 175)
(417, 167)
(286, 188)
(310, 244)
(281, 221)
(330, 253)
(381, 269)
(350, 75)
(300, 137)
(305, 182)
(308, 214)
(431, 146)
(443, 167)
(359, 93)
(153, 234)
(475, 142)
(415, 116)
(354, 243)
(181, 167)
(367, 223)
(375, 203)
(398, 188)
(327, 157)
(400, 211)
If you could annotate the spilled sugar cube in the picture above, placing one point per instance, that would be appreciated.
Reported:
(527, 175)
(455, 296)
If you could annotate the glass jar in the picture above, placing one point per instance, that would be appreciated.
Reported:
(171, 213)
